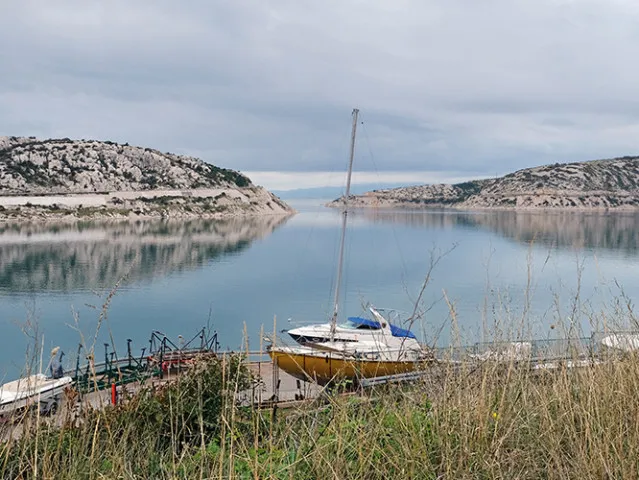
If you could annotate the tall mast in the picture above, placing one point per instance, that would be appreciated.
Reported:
(340, 262)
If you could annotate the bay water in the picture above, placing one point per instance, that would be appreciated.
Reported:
(525, 273)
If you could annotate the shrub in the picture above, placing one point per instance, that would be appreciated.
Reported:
(142, 437)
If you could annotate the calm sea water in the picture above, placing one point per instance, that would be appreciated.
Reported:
(237, 275)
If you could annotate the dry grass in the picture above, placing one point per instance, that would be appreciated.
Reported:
(497, 421)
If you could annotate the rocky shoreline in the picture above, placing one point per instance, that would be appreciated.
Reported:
(223, 203)
(59, 179)
(562, 204)
(599, 185)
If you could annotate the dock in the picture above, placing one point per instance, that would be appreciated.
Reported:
(97, 385)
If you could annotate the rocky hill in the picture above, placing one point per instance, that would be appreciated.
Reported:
(57, 177)
(598, 184)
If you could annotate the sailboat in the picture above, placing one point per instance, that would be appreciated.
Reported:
(355, 329)
(358, 348)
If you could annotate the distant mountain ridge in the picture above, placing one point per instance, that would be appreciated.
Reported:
(595, 184)
(87, 178)
(329, 192)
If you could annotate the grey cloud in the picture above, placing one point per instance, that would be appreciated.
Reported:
(470, 86)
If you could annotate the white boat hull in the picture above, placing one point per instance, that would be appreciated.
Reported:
(30, 390)
(627, 342)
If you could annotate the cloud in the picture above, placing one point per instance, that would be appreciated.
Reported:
(469, 87)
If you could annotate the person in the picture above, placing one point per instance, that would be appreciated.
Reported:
(56, 364)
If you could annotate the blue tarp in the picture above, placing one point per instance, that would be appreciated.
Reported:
(396, 331)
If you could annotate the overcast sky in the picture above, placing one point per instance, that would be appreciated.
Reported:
(448, 89)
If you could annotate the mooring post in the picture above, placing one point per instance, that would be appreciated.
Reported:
(77, 363)
(107, 365)
(128, 351)
(142, 363)
(161, 362)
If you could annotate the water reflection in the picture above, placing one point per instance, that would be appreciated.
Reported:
(618, 231)
(95, 255)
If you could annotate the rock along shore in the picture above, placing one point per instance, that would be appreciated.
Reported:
(62, 178)
(595, 185)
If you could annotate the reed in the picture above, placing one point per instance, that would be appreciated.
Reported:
(493, 421)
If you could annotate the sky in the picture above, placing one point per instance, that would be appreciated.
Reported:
(448, 90)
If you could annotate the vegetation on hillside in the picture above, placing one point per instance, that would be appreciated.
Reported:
(29, 165)
(598, 184)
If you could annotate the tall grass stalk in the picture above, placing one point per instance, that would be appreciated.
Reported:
(486, 420)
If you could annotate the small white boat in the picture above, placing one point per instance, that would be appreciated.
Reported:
(31, 390)
(511, 352)
(628, 342)
(559, 364)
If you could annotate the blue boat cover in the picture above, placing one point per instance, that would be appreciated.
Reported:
(396, 331)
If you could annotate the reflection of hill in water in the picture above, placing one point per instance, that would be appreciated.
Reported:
(564, 229)
(96, 255)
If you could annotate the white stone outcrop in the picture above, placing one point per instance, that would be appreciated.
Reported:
(31, 166)
(62, 177)
(594, 185)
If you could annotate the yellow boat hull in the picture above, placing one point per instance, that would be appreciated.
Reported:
(325, 367)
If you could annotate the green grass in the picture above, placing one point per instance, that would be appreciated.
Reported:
(498, 421)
